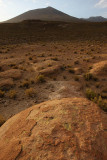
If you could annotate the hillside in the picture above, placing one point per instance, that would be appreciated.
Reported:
(59, 68)
(62, 52)
(97, 19)
(34, 31)
(49, 14)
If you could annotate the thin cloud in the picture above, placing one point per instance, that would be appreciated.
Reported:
(101, 4)
(34, 1)
(1, 2)
(5, 3)
(104, 14)
(46, 2)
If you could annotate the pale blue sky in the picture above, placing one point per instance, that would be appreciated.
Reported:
(77, 8)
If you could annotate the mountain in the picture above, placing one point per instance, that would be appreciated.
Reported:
(97, 19)
(48, 14)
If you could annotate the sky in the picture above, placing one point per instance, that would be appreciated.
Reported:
(76, 8)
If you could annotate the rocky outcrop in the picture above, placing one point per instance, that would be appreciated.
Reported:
(71, 128)
(47, 68)
(99, 68)
(12, 73)
(6, 84)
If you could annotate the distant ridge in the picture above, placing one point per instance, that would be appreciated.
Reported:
(96, 19)
(47, 14)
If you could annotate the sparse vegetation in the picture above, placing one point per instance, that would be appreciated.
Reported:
(71, 70)
(49, 65)
(63, 58)
(0, 68)
(12, 65)
(30, 58)
(76, 78)
(40, 79)
(96, 98)
(67, 126)
(12, 94)
(30, 92)
(25, 84)
(2, 93)
(76, 62)
(63, 67)
(55, 58)
(88, 76)
(102, 103)
(90, 94)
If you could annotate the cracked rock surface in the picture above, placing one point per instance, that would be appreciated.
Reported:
(65, 129)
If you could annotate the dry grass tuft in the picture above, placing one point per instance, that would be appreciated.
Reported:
(12, 94)
(30, 92)
(40, 79)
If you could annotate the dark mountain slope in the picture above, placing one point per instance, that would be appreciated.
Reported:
(97, 19)
(48, 14)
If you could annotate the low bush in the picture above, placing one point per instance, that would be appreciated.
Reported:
(96, 98)
(88, 76)
(71, 70)
(55, 58)
(76, 78)
(49, 65)
(25, 83)
(40, 79)
(63, 67)
(2, 94)
(32, 81)
(30, 58)
(76, 62)
(0, 68)
(12, 94)
(90, 94)
(102, 103)
(30, 92)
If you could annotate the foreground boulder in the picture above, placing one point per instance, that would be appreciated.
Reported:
(67, 129)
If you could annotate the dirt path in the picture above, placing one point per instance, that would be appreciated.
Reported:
(64, 89)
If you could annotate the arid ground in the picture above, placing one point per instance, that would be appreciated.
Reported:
(42, 61)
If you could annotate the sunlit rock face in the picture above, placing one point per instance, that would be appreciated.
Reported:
(70, 128)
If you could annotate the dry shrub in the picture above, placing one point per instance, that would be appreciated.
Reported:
(76, 62)
(30, 92)
(25, 84)
(40, 79)
(55, 59)
(90, 94)
(88, 76)
(96, 98)
(12, 94)
(102, 103)
(2, 94)
(71, 70)
(76, 78)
